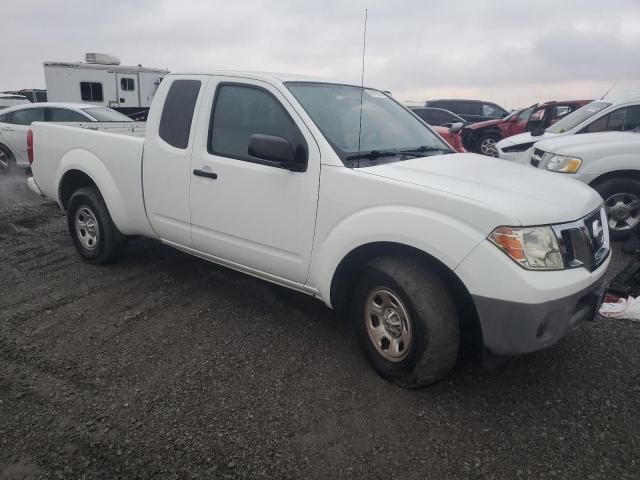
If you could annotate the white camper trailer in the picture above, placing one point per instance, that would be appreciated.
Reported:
(100, 79)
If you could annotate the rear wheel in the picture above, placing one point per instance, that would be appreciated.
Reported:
(7, 162)
(487, 144)
(406, 322)
(622, 201)
(94, 234)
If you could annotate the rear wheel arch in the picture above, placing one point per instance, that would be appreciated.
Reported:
(70, 182)
(355, 262)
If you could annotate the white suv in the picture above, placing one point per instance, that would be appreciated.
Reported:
(607, 161)
(619, 114)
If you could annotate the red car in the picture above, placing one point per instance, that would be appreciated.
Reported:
(452, 137)
(482, 137)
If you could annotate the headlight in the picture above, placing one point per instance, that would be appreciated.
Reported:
(563, 164)
(533, 248)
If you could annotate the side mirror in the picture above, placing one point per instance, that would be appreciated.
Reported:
(456, 127)
(514, 119)
(278, 150)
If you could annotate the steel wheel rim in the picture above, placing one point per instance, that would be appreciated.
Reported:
(87, 229)
(623, 211)
(388, 325)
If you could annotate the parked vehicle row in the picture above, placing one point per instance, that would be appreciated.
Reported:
(616, 114)
(481, 137)
(347, 196)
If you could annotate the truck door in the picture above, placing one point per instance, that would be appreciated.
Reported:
(166, 163)
(250, 212)
(128, 89)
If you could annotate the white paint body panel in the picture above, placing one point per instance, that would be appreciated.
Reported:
(294, 229)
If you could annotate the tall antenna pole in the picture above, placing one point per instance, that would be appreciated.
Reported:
(364, 50)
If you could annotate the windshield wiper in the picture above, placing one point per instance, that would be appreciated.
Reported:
(390, 153)
(372, 154)
(422, 149)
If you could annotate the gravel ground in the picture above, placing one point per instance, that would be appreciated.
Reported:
(166, 366)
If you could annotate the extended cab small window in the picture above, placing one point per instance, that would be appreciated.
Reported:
(127, 84)
(91, 91)
(241, 111)
(177, 113)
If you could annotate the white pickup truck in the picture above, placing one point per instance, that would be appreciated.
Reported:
(341, 193)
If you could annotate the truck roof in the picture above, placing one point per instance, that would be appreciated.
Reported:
(268, 76)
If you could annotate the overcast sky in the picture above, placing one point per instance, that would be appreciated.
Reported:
(513, 52)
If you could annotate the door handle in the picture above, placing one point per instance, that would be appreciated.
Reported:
(203, 173)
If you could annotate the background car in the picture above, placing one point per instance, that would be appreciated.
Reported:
(11, 100)
(481, 137)
(606, 114)
(451, 136)
(437, 116)
(470, 110)
(15, 122)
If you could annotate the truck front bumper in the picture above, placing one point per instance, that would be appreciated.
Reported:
(521, 311)
(512, 328)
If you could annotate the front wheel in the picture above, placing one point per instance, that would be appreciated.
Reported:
(622, 201)
(94, 234)
(406, 322)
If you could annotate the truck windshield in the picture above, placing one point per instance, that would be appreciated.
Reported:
(104, 114)
(389, 132)
(576, 118)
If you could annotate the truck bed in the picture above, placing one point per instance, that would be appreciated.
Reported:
(110, 154)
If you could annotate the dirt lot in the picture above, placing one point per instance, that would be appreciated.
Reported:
(165, 366)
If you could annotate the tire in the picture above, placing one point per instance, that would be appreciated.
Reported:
(96, 238)
(622, 201)
(7, 161)
(424, 313)
(487, 144)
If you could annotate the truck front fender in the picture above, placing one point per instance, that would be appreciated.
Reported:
(444, 238)
(612, 163)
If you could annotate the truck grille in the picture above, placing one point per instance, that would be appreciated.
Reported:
(585, 243)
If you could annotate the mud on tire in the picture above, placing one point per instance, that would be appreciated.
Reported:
(407, 289)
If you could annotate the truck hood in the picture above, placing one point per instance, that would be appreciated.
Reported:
(610, 142)
(486, 123)
(516, 194)
(525, 138)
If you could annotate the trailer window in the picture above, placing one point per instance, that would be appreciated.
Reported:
(127, 84)
(177, 113)
(91, 91)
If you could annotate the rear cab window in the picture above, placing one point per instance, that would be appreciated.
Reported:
(177, 112)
